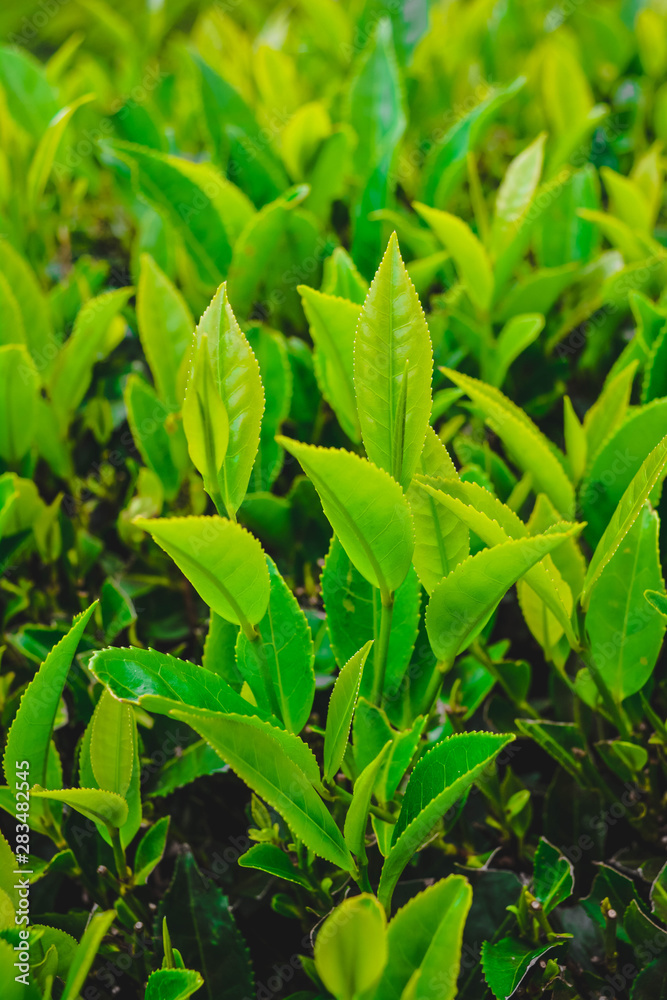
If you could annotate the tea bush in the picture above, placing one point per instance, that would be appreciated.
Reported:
(333, 434)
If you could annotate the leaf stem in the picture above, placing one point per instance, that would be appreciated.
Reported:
(434, 686)
(118, 854)
(382, 648)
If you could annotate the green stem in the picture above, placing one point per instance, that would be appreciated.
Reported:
(118, 854)
(434, 686)
(382, 648)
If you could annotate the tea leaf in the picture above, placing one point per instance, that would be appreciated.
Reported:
(392, 369)
(554, 876)
(93, 803)
(30, 733)
(238, 380)
(271, 859)
(625, 638)
(47, 148)
(86, 952)
(205, 422)
(608, 411)
(438, 780)
(19, 386)
(366, 509)
(472, 261)
(203, 928)
(111, 744)
(150, 850)
(506, 962)
(87, 343)
(531, 451)
(261, 761)
(341, 709)
(222, 561)
(159, 682)
(351, 947)
(463, 602)
(441, 540)
(516, 193)
(158, 446)
(354, 611)
(650, 473)
(356, 819)
(165, 328)
(172, 984)
(332, 323)
(181, 192)
(424, 940)
(495, 523)
(278, 664)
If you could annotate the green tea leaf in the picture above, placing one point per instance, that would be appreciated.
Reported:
(392, 369)
(165, 328)
(438, 780)
(531, 451)
(93, 803)
(506, 962)
(609, 410)
(19, 386)
(441, 540)
(351, 947)
(269, 255)
(424, 942)
(618, 460)
(29, 96)
(87, 343)
(356, 819)
(517, 334)
(463, 602)
(495, 523)
(366, 509)
(650, 473)
(222, 561)
(472, 261)
(160, 682)
(172, 984)
(516, 193)
(625, 636)
(30, 733)
(150, 850)
(271, 351)
(332, 322)
(111, 744)
(239, 384)
(654, 385)
(554, 876)
(86, 953)
(576, 443)
(47, 149)
(205, 422)
(33, 305)
(272, 860)
(181, 191)
(260, 760)
(162, 447)
(341, 709)
(278, 664)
